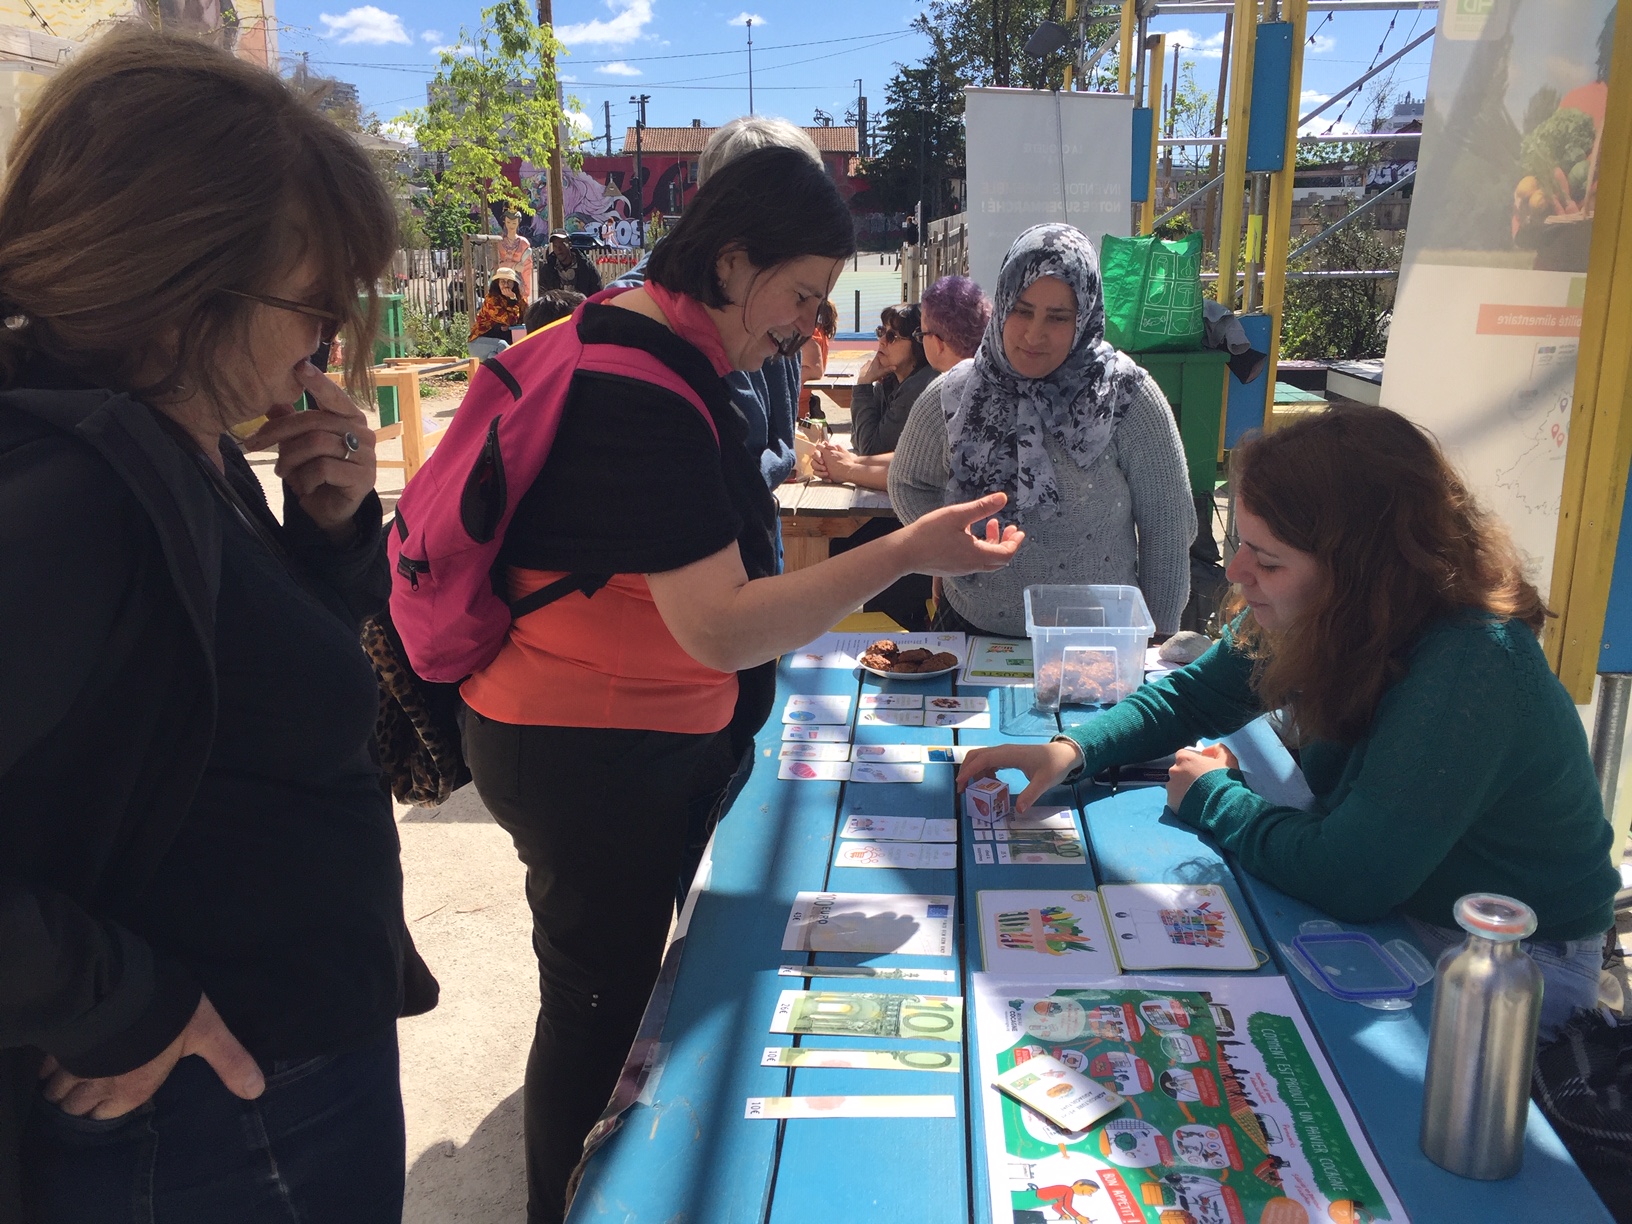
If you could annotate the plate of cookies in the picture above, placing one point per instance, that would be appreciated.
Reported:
(885, 658)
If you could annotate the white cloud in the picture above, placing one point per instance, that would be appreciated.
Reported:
(366, 24)
(397, 130)
(1312, 97)
(619, 68)
(1193, 45)
(1320, 44)
(567, 77)
(580, 121)
(744, 17)
(628, 22)
(431, 36)
(450, 49)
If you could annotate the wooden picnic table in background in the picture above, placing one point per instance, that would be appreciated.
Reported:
(817, 512)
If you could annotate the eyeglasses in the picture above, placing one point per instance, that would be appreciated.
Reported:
(331, 321)
(888, 334)
(924, 333)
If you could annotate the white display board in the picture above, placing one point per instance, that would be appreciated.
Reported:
(1036, 157)
(1482, 347)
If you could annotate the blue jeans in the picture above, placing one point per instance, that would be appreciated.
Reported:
(1569, 971)
(324, 1144)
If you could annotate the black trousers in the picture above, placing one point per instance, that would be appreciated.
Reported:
(601, 819)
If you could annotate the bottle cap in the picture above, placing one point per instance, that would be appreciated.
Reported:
(1494, 916)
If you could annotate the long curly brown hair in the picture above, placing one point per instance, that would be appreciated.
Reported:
(1400, 542)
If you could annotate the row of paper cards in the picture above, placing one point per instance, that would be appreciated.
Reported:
(886, 710)
(805, 748)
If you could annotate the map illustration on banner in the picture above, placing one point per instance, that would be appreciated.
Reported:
(1482, 346)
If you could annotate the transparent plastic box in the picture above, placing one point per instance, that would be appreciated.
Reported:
(1088, 643)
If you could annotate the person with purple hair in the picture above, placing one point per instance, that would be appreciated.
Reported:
(952, 317)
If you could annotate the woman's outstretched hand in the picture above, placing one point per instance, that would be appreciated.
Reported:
(942, 545)
(1045, 767)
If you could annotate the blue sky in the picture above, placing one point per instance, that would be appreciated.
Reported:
(691, 56)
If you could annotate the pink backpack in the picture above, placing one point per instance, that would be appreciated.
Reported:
(449, 602)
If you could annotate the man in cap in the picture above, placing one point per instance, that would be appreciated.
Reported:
(565, 268)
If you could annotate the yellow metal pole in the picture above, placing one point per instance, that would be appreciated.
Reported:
(1235, 147)
(1600, 444)
(1124, 51)
(1155, 53)
(1070, 24)
(1279, 239)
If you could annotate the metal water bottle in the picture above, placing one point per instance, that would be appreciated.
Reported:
(1482, 1042)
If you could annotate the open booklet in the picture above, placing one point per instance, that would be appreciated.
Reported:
(1066, 935)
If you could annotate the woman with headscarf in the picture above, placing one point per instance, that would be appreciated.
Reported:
(502, 311)
(1078, 436)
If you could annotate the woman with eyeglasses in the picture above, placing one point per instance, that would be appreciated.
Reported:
(1078, 436)
(890, 383)
(202, 948)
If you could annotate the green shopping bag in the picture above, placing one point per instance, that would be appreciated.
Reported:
(1152, 293)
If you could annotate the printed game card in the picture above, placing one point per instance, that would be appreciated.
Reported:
(915, 924)
(892, 701)
(863, 772)
(942, 754)
(852, 1013)
(1067, 1098)
(903, 856)
(1056, 935)
(890, 718)
(814, 752)
(868, 1060)
(1041, 848)
(1175, 926)
(971, 719)
(811, 708)
(966, 704)
(814, 771)
(900, 828)
(888, 754)
(816, 735)
(851, 1107)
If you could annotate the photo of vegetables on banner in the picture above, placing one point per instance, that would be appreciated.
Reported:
(1231, 1113)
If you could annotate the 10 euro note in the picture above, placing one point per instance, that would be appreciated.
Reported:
(835, 1013)
(866, 1060)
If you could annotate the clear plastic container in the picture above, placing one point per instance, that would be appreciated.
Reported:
(1088, 643)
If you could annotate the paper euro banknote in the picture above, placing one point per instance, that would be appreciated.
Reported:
(837, 1013)
(894, 973)
(851, 1107)
(865, 1060)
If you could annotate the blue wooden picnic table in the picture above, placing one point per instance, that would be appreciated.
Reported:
(687, 1153)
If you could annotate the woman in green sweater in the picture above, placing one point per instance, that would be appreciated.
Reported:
(1385, 616)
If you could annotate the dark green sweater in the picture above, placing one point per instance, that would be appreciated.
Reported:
(1474, 776)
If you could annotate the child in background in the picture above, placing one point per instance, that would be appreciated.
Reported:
(549, 306)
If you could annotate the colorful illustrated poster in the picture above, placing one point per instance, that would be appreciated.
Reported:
(1175, 926)
(1483, 344)
(1232, 1117)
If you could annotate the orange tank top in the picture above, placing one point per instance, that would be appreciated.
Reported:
(606, 660)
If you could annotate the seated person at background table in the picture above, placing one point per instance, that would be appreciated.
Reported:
(202, 948)
(565, 267)
(549, 306)
(813, 357)
(606, 721)
(501, 312)
(1079, 437)
(889, 384)
(952, 317)
(1385, 615)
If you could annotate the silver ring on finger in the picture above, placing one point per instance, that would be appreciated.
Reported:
(351, 442)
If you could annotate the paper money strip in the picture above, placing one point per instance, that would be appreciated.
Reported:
(851, 1107)
(864, 1060)
(891, 973)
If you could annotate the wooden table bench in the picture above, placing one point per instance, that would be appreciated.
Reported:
(817, 512)
(686, 1152)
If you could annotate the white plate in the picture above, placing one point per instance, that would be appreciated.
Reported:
(892, 675)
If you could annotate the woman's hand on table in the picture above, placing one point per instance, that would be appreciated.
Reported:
(327, 476)
(942, 544)
(833, 462)
(113, 1096)
(1190, 764)
(1045, 767)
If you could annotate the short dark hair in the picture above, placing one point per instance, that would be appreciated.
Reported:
(549, 306)
(904, 320)
(774, 203)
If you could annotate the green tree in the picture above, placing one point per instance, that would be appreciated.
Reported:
(984, 40)
(1341, 318)
(493, 100)
(919, 138)
(447, 221)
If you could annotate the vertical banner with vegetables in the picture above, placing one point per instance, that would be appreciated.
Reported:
(1483, 342)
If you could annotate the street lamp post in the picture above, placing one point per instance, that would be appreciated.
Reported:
(639, 101)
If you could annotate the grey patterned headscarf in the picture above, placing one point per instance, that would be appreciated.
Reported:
(996, 419)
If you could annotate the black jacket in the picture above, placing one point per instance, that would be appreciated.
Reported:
(109, 569)
(583, 276)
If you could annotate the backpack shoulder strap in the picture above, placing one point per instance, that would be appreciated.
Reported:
(639, 365)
